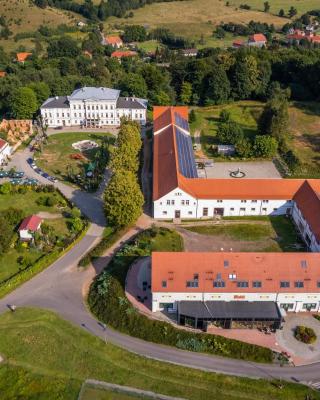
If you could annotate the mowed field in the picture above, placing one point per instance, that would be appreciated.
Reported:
(21, 16)
(193, 18)
(275, 5)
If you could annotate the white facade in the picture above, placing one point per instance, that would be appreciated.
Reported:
(5, 152)
(305, 230)
(178, 204)
(92, 107)
(292, 302)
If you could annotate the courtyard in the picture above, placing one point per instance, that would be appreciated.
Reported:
(251, 169)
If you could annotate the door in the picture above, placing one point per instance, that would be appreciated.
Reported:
(242, 211)
(177, 214)
(218, 211)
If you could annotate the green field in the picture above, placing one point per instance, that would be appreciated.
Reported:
(304, 126)
(55, 157)
(95, 393)
(27, 202)
(275, 5)
(193, 18)
(269, 234)
(48, 358)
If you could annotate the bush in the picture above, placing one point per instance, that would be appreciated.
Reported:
(107, 300)
(305, 334)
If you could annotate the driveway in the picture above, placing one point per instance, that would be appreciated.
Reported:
(304, 353)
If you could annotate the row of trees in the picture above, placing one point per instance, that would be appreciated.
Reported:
(123, 199)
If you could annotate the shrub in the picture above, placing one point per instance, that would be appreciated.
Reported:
(316, 316)
(305, 334)
(107, 300)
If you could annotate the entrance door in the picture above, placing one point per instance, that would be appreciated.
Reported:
(218, 211)
(177, 214)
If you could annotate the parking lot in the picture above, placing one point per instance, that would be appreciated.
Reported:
(252, 169)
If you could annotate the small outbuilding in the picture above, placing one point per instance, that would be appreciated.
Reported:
(28, 227)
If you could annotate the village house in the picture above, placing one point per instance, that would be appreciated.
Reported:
(256, 40)
(114, 41)
(93, 107)
(3, 74)
(22, 57)
(297, 35)
(119, 54)
(5, 151)
(28, 227)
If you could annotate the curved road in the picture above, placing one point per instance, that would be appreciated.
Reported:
(61, 288)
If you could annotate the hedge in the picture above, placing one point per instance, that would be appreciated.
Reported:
(108, 302)
(28, 273)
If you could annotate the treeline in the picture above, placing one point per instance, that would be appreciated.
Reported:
(89, 10)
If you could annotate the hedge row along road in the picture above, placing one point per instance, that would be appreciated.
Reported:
(61, 288)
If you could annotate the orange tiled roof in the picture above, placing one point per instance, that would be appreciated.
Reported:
(2, 74)
(114, 40)
(21, 57)
(258, 37)
(270, 268)
(3, 144)
(124, 53)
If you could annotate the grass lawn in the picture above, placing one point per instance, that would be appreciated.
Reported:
(48, 358)
(55, 156)
(192, 18)
(149, 45)
(275, 5)
(167, 240)
(270, 234)
(27, 202)
(304, 125)
(94, 393)
(246, 113)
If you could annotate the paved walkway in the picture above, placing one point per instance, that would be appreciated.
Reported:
(304, 353)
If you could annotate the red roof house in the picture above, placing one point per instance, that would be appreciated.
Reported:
(22, 57)
(258, 40)
(126, 53)
(2, 74)
(114, 41)
(28, 227)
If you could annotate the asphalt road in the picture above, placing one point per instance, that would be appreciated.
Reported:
(61, 288)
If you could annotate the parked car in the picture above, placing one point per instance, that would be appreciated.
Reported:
(45, 175)
(16, 181)
(4, 174)
(30, 181)
(30, 161)
(53, 179)
(18, 174)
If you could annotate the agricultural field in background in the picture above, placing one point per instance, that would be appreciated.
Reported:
(193, 18)
(275, 5)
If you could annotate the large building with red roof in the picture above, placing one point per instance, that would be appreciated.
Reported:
(179, 193)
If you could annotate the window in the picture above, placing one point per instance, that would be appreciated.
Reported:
(232, 209)
(74, 106)
(298, 284)
(219, 201)
(172, 202)
(189, 212)
(205, 212)
(254, 201)
(264, 209)
(192, 284)
(164, 284)
(187, 202)
(196, 277)
(275, 209)
(243, 201)
(265, 201)
(318, 284)
(219, 284)
(226, 263)
(242, 284)
(284, 284)
(253, 209)
(232, 276)
(182, 202)
(242, 209)
(304, 263)
(287, 306)
(164, 212)
(79, 107)
(168, 202)
(309, 306)
(256, 284)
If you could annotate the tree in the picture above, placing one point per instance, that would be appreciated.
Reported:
(192, 116)
(216, 86)
(274, 120)
(266, 6)
(123, 199)
(134, 33)
(244, 75)
(133, 84)
(292, 12)
(229, 132)
(130, 133)
(23, 103)
(162, 98)
(65, 46)
(41, 90)
(124, 158)
(281, 13)
(243, 147)
(265, 146)
(186, 93)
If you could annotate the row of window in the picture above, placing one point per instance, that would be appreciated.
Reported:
(93, 107)
(241, 284)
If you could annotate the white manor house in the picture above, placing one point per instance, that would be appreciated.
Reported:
(92, 107)
(179, 193)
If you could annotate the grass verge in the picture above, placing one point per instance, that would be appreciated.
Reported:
(48, 358)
